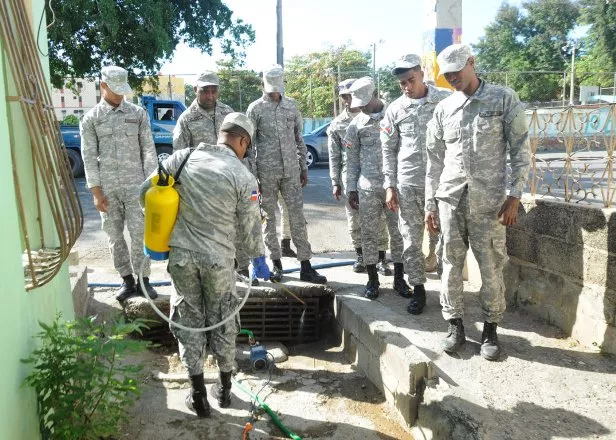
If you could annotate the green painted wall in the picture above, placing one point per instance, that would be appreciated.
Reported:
(21, 310)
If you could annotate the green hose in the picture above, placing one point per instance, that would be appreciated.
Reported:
(247, 332)
(267, 409)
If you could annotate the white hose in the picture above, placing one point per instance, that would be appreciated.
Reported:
(180, 326)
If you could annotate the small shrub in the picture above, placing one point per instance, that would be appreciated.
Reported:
(70, 120)
(82, 390)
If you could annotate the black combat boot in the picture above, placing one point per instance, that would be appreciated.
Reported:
(196, 400)
(223, 390)
(276, 272)
(418, 300)
(455, 338)
(400, 285)
(490, 349)
(382, 266)
(372, 287)
(359, 266)
(127, 289)
(285, 248)
(307, 273)
(148, 288)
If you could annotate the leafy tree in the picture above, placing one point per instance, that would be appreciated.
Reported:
(189, 94)
(238, 87)
(528, 39)
(70, 120)
(599, 45)
(139, 35)
(312, 79)
(389, 87)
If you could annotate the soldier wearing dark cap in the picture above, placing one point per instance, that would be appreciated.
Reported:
(467, 143)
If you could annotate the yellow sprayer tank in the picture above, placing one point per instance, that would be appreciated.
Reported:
(161, 209)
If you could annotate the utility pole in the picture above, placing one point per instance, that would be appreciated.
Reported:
(571, 87)
(279, 48)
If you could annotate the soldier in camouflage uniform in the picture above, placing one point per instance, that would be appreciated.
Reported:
(118, 152)
(403, 139)
(200, 122)
(218, 207)
(337, 172)
(365, 173)
(280, 166)
(467, 143)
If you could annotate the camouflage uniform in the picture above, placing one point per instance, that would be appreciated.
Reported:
(217, 202)
(467, 145)
(365, 175)
(279, 157)
(118, 152)
(403, 139)
(337, 172)
(196, 125)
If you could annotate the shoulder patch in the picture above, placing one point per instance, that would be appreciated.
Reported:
(386, 129)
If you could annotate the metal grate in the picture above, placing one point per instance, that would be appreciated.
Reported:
(279, 318)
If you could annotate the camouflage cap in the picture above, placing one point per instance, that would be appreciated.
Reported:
(116, 79)
(273, 79)
(237, 119)
(344, 86)
(406, 62)
(453, 58)
(362, 91)
(207, 78)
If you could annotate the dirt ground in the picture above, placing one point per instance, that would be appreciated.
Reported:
(316, 393)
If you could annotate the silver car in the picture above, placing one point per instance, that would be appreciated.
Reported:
(316, 143)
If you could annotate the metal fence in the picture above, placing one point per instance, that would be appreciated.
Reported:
(573, 153)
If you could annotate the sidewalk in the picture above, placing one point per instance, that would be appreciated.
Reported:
(545, 386)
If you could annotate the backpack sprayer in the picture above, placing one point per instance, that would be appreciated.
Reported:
(162, 203)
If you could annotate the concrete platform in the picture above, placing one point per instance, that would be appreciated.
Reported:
(546, 386)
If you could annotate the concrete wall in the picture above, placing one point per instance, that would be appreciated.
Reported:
(563, 268)
(21, 310)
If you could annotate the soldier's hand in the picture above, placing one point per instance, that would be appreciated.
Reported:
(508, 214)
(391, 199)
(432, 223)
(303, 178)
(337, 192)
(100, 200)
(353, 199)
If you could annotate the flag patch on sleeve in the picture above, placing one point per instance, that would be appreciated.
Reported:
(387, 130)
(254, 196)
(346, 144)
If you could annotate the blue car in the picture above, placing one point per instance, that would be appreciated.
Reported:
(316, 143)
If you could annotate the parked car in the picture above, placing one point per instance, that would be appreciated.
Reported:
(316, 143)
(163, 117)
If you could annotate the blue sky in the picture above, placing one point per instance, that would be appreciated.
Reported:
(396, 26)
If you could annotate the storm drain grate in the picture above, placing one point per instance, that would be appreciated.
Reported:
(279, 318)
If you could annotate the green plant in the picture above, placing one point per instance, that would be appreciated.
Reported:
(83, 390)
(70, 120)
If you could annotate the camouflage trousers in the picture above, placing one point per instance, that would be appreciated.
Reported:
(487, 240)
(285, 226)
(411, 223)
(291, 191)
(371, 211)
(123, 209)
(204, 295)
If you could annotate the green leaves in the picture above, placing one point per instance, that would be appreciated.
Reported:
(139, 35)
(82, 387)
(529, 39)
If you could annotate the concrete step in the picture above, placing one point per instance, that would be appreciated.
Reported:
(545, 386)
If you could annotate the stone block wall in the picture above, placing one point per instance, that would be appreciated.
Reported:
(562, 268)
